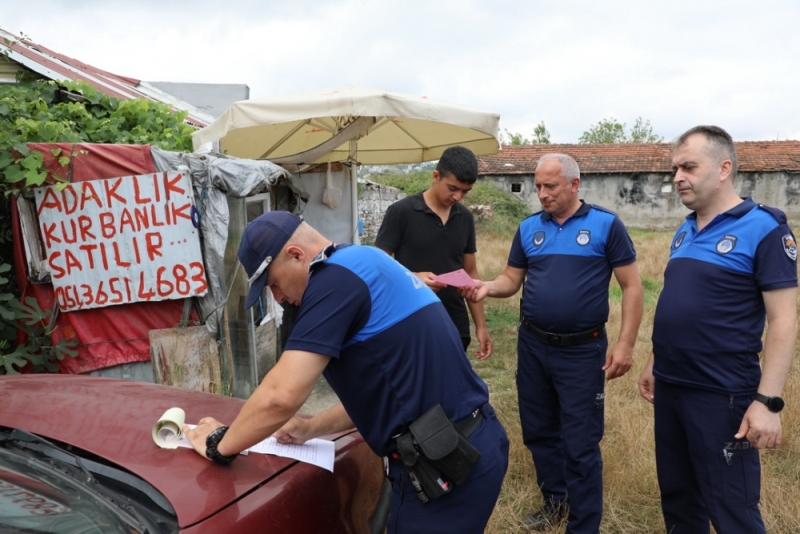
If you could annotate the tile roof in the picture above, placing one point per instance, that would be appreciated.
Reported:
(55, 66)
(754, 156)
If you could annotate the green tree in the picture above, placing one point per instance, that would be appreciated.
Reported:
(514, 139)
(610, 131)
(45, 111)
(642, 132)
(540, 137)
(606, 131)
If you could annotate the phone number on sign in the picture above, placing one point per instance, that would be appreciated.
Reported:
(177, 282)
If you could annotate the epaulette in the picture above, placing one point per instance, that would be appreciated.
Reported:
(779, 215)
(601, 208)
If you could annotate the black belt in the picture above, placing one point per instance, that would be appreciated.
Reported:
(470, 423)
(564, 340)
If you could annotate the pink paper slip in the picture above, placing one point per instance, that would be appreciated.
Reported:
(458, 278)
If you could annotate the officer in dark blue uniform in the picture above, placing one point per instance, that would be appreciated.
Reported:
(565, 255)
(732, 263)
(386, 345)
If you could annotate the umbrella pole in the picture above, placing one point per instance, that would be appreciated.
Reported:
(354, 187)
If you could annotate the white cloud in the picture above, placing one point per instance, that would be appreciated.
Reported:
(570, 63)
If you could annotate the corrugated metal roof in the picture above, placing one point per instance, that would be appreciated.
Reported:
(59, 67)
(621, 158)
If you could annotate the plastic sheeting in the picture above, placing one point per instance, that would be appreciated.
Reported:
(214, 177)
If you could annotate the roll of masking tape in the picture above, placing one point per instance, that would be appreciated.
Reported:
(168, 427)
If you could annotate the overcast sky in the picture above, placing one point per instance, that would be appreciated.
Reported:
(568, 63)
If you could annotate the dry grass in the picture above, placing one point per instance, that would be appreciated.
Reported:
(630, 487)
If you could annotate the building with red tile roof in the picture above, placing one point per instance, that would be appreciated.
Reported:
(754, 156)
(635, 179)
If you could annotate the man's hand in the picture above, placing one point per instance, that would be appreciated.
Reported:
(427, 279)
(197, 436)
(761, 427)
(296, 431)
(647, 383)
(484, 343)
(476, 293)
(618, 361)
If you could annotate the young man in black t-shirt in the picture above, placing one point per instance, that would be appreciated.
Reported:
(432, 233)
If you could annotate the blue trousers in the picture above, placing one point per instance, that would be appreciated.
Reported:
(703, 472)
(468, 507)
(561, 409)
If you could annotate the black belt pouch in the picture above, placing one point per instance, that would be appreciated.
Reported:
(441, 443)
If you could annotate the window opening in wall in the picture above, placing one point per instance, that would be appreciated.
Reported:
(666, 187)
(516, 187)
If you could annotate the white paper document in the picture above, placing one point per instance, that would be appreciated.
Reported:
(319, 452)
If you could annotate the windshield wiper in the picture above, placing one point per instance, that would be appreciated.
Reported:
(26, 439)
(20, 436)
(89, 468)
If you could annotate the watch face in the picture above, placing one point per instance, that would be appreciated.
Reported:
(775, 404)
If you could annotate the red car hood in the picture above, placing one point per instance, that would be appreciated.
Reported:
(114, 419)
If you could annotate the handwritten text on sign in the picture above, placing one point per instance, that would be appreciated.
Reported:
(121, 240)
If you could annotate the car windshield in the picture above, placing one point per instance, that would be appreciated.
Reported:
(41, 492)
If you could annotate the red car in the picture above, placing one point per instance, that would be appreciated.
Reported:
(77, 455)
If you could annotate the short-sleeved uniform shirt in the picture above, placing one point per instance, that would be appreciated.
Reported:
(569, 267)
(394, 351)
(710, 315)
(421, 242)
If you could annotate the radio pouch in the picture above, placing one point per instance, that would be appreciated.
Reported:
(428, 482)
(441, 443)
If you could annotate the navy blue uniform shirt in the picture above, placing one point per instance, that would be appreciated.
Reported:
(569, 267)
(394, 351)
(710, 315)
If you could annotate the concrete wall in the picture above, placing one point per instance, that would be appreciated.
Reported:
(373, 200)
(650, 201)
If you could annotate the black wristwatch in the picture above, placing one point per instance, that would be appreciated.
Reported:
(212, 453)
(775, 404)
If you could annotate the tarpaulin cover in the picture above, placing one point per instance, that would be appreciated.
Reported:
(111, 335)
(215, 177)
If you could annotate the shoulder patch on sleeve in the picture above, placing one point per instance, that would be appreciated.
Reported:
(790, 246)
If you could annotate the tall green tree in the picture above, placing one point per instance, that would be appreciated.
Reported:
(610, 131)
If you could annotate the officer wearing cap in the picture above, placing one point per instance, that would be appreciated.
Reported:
(389, 350)
(732, 263)
(565, 255)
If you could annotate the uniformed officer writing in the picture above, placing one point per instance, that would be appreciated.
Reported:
(390, 352)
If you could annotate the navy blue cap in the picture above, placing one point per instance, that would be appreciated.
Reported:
(262, 241)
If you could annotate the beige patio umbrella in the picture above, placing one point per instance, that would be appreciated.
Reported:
(318, 127)
(350, 124)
